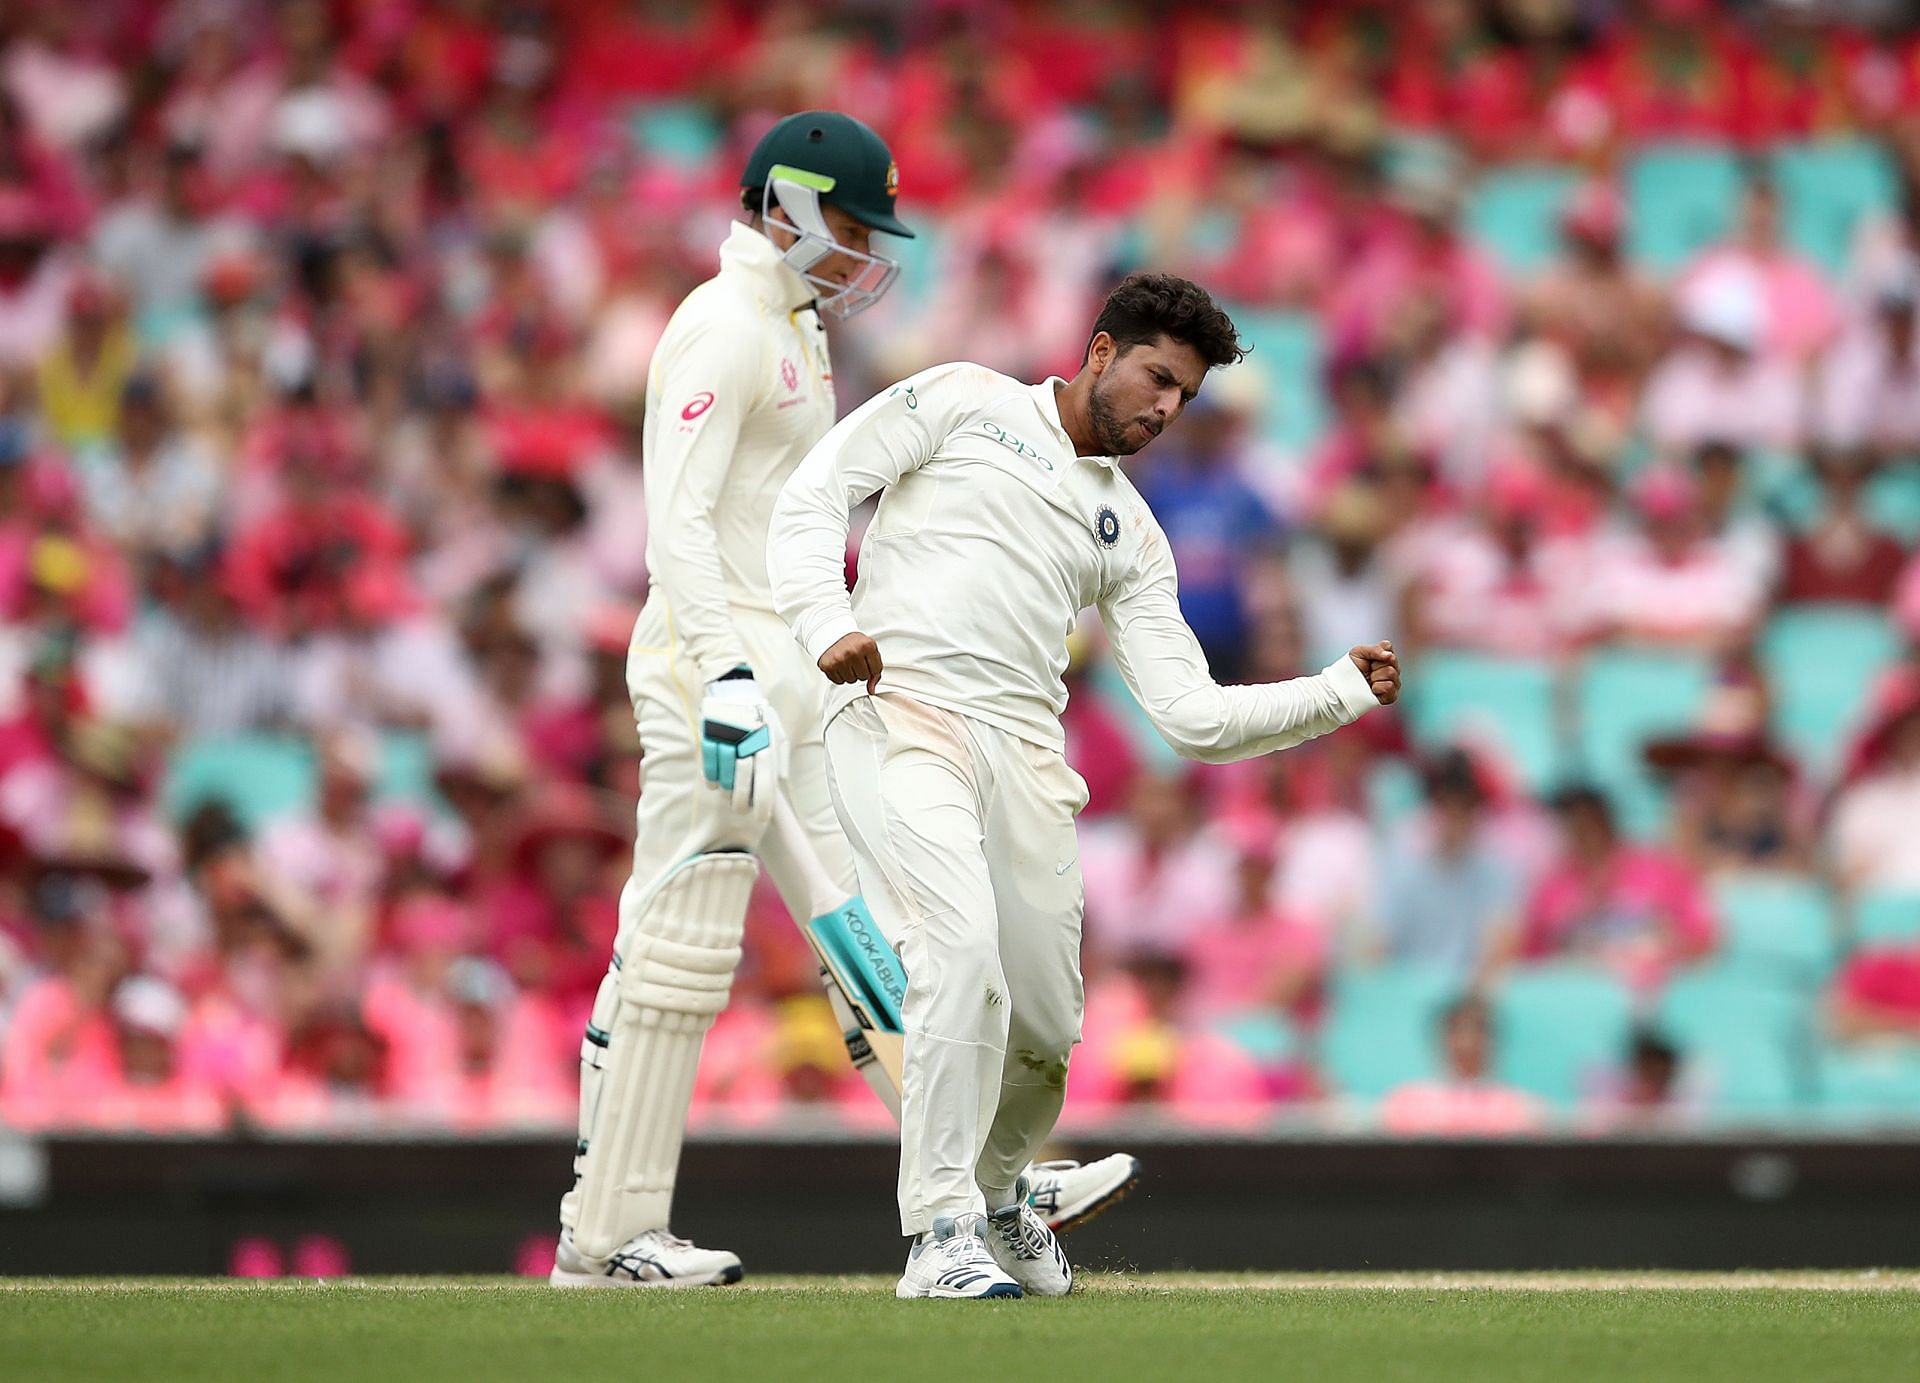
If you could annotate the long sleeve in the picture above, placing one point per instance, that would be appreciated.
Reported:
(1167, 673)
(865, 452)
(704, 384)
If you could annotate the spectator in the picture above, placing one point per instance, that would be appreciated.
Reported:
(1842, 555)
(1215, 523)
(1637, 910)
(1736, 804)
(1718, 384)
(1675, 585)
(152, 488)
(1610, 316)
(150, 1086)
(1749, 541)
(1869, 397)
(1873, 845)
(1142, 1051)
(1877, 995)
(1448, 893)
(1255, 957)
(1800, 310)
(1466, 1101)
(208, 672)
(1650, 1093)
(327, 858)
(1151, 878)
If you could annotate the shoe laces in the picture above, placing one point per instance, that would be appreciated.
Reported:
(968, 1247)
(1018, 1232)
(666, 1239)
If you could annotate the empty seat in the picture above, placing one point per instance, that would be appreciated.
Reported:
(1288, 353)
(1680, 199)
(1881, 918)
(1778, 927)
(1624, 698)
(257, 776)
(1742, 1039)
(1515, 213)
(1821, 661)
(1871, 1082)
(1825, 188)
(1382, 1028)
(1556, 1026)
(1454, 697)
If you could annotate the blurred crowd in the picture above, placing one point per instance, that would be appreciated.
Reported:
(324, 330)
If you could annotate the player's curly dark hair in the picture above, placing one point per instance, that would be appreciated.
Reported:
(1144, 307)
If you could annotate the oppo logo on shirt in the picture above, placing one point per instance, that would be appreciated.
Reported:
(1013, 443)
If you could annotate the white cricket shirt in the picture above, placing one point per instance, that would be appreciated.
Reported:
(991, 537)
(739, 388)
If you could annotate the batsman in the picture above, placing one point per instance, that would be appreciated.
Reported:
(730, 711)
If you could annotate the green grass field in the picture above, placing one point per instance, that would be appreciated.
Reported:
(1571, 1328)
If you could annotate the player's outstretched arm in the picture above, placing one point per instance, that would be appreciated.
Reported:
(1167, 673)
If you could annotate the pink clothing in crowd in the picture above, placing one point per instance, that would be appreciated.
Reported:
(1449, 1109)
(1643, 914)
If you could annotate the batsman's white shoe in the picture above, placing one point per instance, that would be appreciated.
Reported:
(1029, 1252)
(1065, 1194)
(954, 1261)
(653, 1258)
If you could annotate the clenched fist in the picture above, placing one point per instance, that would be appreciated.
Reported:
(1380, 666)
(852, 659)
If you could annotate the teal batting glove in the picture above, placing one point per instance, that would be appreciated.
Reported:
(737, 743)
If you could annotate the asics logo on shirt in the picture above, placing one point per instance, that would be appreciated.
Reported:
(1013, 443)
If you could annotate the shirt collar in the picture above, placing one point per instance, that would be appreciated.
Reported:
(746, 251)
(1049, 405)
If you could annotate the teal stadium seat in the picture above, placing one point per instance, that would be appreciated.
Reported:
(1267, 1035)
(1871, 1082)
(1624, 698)
(1382, 1028)
(264, 776)
(1821, 661)
(1556, 1025)
(1288, 352)
(678, 132)
(1892, 500)
(1394, 793)
(1459, 697)
(1881, 918)
(1777, 927)
(1514, 213)
(1741, 1039)
(1680, 199)
(1825, 188)
(258, 776)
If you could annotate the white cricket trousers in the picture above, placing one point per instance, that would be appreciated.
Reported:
(963, 838)
(680, 815)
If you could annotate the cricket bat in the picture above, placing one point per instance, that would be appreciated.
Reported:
(866, 983)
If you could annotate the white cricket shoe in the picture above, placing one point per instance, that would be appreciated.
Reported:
(954, 1261)
(1022, 1244)
(1065, 1194)
(652, 1258)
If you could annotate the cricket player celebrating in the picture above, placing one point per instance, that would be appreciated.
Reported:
(729, 715)
(1003, 515)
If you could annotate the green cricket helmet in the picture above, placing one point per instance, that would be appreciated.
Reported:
(825, 157)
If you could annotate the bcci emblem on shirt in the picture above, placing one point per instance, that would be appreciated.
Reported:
(1106, 526)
